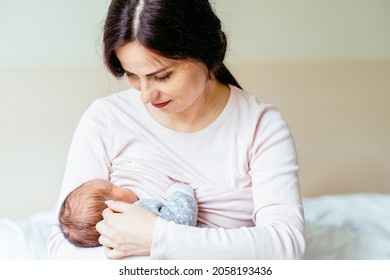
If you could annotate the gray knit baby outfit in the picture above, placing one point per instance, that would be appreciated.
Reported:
(181, 206)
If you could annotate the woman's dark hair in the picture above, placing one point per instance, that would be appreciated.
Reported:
(175, 29)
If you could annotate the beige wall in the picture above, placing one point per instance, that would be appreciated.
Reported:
(306, 30)
(324, 64)
(339, 116)
(40, 108)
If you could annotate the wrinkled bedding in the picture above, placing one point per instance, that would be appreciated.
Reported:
(352, 227)
(25, 239)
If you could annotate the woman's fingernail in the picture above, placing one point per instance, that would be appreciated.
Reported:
(108, 202)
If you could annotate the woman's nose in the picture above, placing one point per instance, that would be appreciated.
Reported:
(148, 93)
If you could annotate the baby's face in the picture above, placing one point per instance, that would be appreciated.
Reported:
(123, 194)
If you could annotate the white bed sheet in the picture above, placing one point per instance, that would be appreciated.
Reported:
(355, 226)
(25, 239)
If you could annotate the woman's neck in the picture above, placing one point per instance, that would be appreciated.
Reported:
(202, 114)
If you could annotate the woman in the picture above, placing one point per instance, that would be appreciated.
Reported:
(185, 119)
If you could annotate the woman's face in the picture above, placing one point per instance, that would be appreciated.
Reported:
(167, 85)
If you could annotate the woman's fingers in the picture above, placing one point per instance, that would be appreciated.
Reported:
(106, 242)
(106, 212)
(113, 254)
(126, 230)
(118, 206)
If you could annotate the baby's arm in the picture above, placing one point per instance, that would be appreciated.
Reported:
(181, 206)
(151, 204)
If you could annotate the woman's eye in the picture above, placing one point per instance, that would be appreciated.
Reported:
(130, 75)
(163, 78)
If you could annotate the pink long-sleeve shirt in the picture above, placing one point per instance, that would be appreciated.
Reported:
(243, 168)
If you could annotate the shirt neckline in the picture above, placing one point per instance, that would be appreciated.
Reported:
(159, 128)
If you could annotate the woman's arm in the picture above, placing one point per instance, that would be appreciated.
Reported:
(278, 234)
(88, 158)
(272, 238)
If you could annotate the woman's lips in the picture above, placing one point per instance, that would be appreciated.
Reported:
(161, 105)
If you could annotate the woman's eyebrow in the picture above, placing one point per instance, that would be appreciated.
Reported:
(151, 74)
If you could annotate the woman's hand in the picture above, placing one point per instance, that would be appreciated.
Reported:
(126, 230)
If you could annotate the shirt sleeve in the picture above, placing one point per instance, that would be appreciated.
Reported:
(88, 158)
(278, 232)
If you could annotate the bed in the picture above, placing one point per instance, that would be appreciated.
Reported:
(338, 227)
(349, 226)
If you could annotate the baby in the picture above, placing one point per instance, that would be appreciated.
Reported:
(82, 208)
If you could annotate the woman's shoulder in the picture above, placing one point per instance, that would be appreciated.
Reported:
(259, 116)
(125, 100)
(249, 104)
(108, 109)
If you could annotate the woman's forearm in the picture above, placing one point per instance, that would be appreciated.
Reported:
(270, 239)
